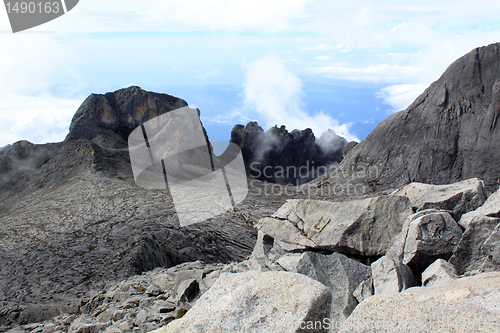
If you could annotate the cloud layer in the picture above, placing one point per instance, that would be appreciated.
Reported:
(275, 94)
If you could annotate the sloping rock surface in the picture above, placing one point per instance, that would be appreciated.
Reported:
(73, 220)
(490, 208)
(457, 198)
(468, 304)
(365, 227)
(448, 134)
(256, 302)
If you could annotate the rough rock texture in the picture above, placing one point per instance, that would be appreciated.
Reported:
(391, 276)
(364, 290)
(440, 271)
(449, 133)
(457, 198)
(249, 302)
(365, 227)
(73, 220)
(109, 119)
(491, 208)
(478, 249)
(337, 272)
(284, 157)
(140, 303)
(469, 304)
(426, 236)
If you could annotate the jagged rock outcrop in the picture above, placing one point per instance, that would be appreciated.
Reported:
(109, 119)
(340, 274)
(72, 219)
(365, 227)
(426, 236)
(490, 208)
(457, 198)
(284, 157)
(449, 133)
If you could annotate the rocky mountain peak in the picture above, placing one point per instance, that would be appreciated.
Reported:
(108, 119)
(268, 154)
(448, 134)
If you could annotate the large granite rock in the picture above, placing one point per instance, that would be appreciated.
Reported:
(469, 304)
(391, 276)
(458, 198)
(426, 236)
(109, 119)
(491, 208)
(448, 134)
(284, 157)
(365, 227)
(340, 274)
(478, 249)
(439, 272)
(257, 302)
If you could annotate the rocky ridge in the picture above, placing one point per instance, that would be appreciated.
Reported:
(437, 269)
(448, 134)
(283, 157)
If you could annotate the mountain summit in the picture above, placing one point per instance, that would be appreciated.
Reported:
(449, 133)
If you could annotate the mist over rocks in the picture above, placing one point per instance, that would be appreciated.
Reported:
(283, 157)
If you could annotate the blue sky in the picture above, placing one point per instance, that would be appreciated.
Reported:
(319, 64)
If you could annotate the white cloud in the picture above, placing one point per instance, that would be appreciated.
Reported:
(276, 94)
(210, 74)
(323, 58)
(39, 119)
(373, 74)
(401, 96)
(321, 47)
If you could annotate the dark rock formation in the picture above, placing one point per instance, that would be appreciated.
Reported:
(72, 218)
(108, 119)
(284, 157)
(449, 133)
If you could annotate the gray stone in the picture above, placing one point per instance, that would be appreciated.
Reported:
(153, 290)
(471, 254)
(448, 134)
(367, 227)
(426, 236)
(337, 272)
(491, 208)
(364, 290)
(188, 290)
(439, 272)
(468, 304)
(391, 276)
(249, 301)
(458, 198)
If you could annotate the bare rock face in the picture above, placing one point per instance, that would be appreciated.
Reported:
(426, 236)
(490, 208)
(438, 273)
(478, 249)
(448, 134)
(257, 302)
(72, 218)
(283, 157)
(457, 198)
(468, 304)
(366, 227)
(108, 119)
